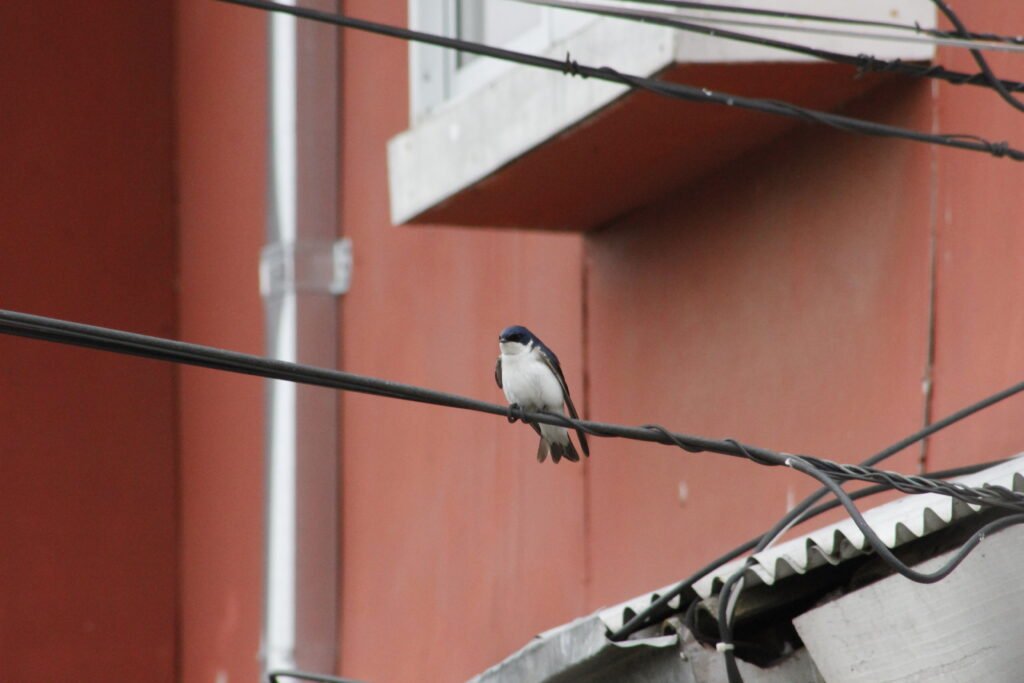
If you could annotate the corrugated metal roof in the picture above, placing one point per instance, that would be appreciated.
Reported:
(896, 523)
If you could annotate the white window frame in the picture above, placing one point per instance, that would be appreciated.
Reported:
(457, 139)
(435, 77)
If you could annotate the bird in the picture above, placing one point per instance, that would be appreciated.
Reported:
(531, 377)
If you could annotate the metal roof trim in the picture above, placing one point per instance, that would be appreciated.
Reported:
(580, 650)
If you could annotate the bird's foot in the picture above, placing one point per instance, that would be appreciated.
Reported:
(515, 413)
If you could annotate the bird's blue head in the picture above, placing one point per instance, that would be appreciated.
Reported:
(517, 334)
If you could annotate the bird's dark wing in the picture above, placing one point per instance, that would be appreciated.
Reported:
(552, 362)
(497, 373)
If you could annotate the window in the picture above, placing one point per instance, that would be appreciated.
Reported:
(440, 75)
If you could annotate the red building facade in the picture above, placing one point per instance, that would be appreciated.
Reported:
(814, 292)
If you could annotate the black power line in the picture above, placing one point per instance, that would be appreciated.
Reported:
(778, 14)
(665, 88)
(862, 63)
(130, 343)
(823, 18)
(998, 85)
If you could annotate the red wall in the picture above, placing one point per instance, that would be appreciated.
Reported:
(979, 331)
(88, 501)
(786, 300)
(221, 96)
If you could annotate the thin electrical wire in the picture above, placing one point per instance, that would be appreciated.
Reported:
(664, 88)
(849, 21)
(986, 77)
(918, 38)
(119, 341)
(862, 62)
(778, 14)
(979, 58)
(878, 545)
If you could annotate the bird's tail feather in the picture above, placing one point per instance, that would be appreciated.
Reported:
(558, 441)
(542, 451)
(564, 450)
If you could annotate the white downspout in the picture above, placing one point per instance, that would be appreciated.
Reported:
(303, 269)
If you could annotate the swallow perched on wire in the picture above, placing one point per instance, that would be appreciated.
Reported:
(531, 377)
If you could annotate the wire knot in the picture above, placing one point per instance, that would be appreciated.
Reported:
(572, 67)
(515, 413)
(999, 149)
(865, 65)
(870, 64)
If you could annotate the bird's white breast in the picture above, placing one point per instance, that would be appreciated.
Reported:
(528, 381)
